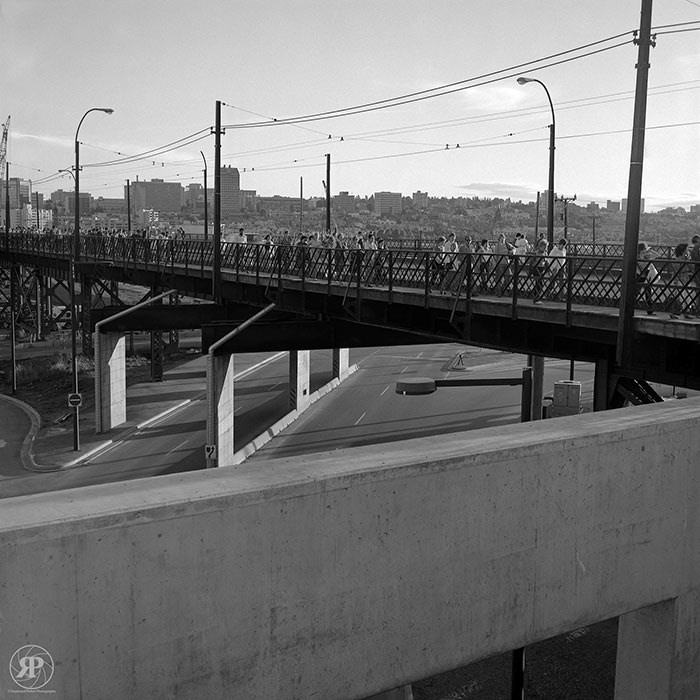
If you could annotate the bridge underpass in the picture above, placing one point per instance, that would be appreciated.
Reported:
(345, 574)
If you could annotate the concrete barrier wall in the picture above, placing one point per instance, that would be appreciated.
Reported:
(343, 574)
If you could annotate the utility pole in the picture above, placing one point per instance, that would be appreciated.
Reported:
(216, 272)
(206, 218)
(625, 329)
(301, 205)
(128, 207)
(537, 217)
(328, 192)
(566, 201)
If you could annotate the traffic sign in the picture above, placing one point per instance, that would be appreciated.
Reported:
(75, 400)
(210, 451)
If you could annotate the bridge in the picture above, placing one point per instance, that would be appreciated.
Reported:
(335, 298)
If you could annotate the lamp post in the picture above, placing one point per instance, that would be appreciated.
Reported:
(206, 221)
(550, 193)
(74, 399)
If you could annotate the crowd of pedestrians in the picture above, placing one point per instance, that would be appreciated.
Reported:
(491, 267)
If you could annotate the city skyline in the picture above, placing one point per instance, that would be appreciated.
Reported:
(162, 67)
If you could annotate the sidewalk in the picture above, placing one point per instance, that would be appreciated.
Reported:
(52, 448)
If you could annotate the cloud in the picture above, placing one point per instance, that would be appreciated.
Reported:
(502, 190)
(53, 140)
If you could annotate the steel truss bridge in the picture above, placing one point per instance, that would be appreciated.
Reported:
(351, 298)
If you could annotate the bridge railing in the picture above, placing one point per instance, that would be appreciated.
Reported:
(576, 279)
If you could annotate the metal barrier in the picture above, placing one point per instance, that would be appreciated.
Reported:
(577, 279)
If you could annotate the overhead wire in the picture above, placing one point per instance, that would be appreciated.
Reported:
(440, 90)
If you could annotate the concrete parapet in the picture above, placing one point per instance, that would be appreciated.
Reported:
(314, 576)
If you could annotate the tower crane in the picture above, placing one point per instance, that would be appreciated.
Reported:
(3, 145)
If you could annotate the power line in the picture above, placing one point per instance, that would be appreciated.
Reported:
(430, 93)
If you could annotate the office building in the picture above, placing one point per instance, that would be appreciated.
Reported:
(387, 203)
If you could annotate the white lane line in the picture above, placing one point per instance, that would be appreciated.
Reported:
(177, 447)
(361, 417)
(418, 356)
(386, 388)
(403, 370)
(250, 370)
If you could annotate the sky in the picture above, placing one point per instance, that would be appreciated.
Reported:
(161, 65)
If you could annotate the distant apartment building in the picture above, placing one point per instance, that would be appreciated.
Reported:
(230, 180)
(344, 202)
(612, 206)
(695, 208)
(114, 206)
(420, 200)
(623, 206)
(155, 194)
(20, 192)
(387, 203)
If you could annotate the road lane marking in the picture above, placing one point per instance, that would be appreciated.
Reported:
(386, 388)
(361, 417)
(177, 447)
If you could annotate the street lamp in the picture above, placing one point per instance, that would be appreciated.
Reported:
(74, 399)
(550, 194)
(206, 223)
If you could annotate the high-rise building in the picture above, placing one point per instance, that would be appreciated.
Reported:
(387, 203)
(230, 190)
(420, 199)
(612, 206)
(156, 194)
(344, 201)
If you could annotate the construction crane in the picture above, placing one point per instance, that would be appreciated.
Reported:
(3, 145)
(3, 156)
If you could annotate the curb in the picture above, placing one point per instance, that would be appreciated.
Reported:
(239, 456)
(127, 433)
(26, 452)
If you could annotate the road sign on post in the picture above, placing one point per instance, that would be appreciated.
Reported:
(75, 400)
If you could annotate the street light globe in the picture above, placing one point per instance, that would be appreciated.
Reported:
(522, 81)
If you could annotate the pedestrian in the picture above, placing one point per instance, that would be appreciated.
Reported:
(437, 263)
(538, 266)
(681, 297)
(558, 267)
(695, 259)
(503, 250)
(647, 275)
(521, 245)
(483, 255)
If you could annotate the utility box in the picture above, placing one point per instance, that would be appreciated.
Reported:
(567, 394)
(566, 400)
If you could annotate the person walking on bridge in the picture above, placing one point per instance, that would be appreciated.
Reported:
(647, 275)
(695, 259)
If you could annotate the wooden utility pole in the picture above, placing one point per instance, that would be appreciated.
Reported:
(328, 192)
(216, 272)
(628, 293)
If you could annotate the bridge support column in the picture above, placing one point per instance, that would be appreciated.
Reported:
(299, 379)
(86, 285)
(658, 651)
(341, 363)
(156, 347)
(220, 417)
(110, 381)
(601, 385)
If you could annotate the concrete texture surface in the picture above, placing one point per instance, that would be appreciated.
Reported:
(349, 573)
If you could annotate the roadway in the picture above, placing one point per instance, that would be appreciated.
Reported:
(364, 410)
